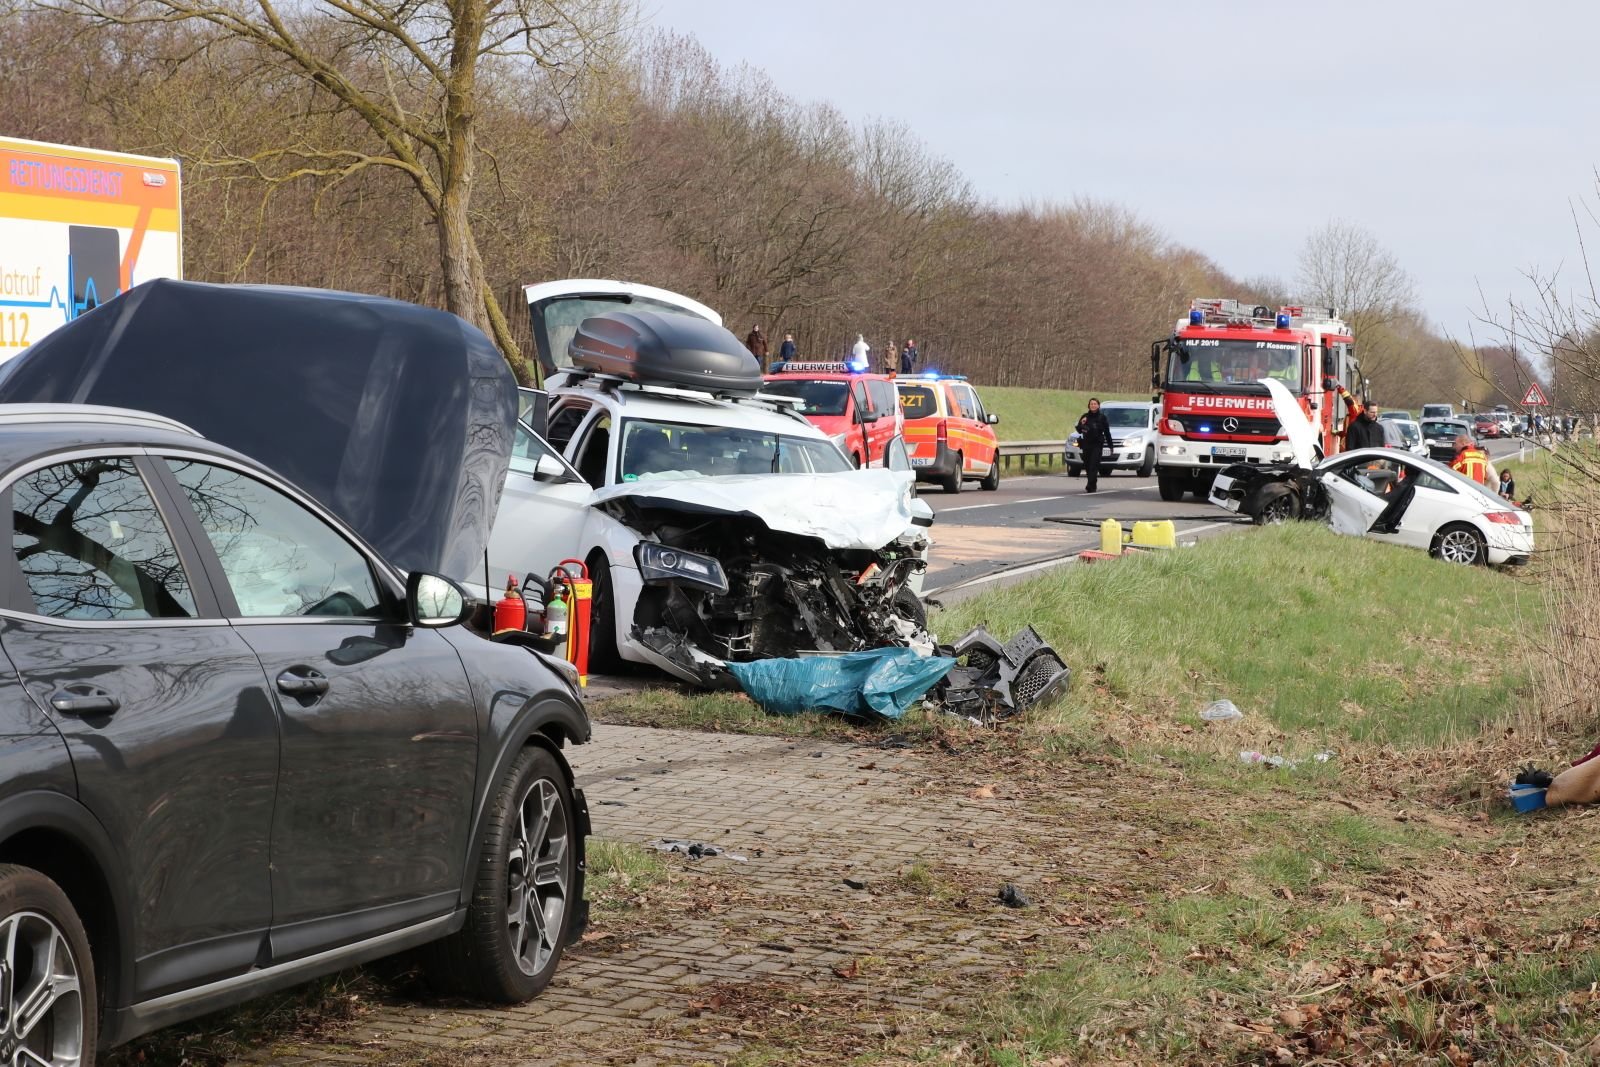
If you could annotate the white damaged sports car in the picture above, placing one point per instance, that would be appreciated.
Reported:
(1383, 493)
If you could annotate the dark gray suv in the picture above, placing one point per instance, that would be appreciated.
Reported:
(240, 750)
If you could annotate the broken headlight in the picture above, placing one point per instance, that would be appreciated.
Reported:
(658, 563)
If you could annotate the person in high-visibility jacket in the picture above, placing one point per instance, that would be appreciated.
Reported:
(1471, 460)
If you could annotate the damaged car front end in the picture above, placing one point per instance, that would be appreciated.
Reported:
(759, 579)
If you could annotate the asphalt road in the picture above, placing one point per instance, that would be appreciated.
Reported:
(984, 537)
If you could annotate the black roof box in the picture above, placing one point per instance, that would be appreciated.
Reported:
(659, 349)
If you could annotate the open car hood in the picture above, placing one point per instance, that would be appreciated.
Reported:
(865, 509)
(1302, 436)
(398, 418)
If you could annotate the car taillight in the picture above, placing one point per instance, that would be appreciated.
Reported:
(942, 434)
(1504, 518)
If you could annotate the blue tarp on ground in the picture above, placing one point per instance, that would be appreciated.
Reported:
(880, 682)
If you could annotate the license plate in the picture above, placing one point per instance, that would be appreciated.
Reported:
(922, 461)
(1227, 452)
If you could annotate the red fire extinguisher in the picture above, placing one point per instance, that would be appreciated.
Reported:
(510, 611)
(570, 581)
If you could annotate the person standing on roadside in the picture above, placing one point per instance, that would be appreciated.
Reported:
(891, 359)
(859, 352)
(1094, 437)
(908, 357)
(756, 342)
(787, 350)
(1471, 460)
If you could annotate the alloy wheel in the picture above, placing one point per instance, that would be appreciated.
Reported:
(41, 998)
(537, 873)
(1458, 546)
(1278, 511)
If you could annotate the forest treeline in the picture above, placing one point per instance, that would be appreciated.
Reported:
(653, 162)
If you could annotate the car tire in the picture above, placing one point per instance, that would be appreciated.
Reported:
(45, 942)
(1170, 487)
(1276, 505)
(910, 605)
(1149, 465)
(1073, 470)
(952, 482)
(515, 930)
(991, 481)
(855, 461)
(603, 655)
(1460, 543)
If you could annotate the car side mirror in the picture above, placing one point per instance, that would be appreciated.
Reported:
(991, 418)
(548, 468)
(433, 601)
(895, 456)
(868, 416)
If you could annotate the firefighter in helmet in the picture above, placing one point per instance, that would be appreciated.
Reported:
(1471, 460)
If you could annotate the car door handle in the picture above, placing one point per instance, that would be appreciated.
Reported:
(303, 682)
(84, 699)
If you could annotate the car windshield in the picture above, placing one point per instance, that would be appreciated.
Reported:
(1220, 362)
(669, 450)
(1408, 432)
(1442, 430)
(816, 397)
(918, 401)
(1127, 418)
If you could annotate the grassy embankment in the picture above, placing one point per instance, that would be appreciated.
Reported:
(1382, 902)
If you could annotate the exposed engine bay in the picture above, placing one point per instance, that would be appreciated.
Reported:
(720, 587)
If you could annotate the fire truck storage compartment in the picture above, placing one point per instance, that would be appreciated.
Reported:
(659, 349)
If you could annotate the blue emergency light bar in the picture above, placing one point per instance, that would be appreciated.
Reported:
(935, 376)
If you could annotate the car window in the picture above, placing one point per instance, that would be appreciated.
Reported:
(1377, 476)
(564, 422)
(527, 449)
(596, 449)
(1427, 480)
(1127, 418)
(883, 399)
(858, 389)
(280, 559)
(816, 397)
(918, 401)
(91, 544)
(653, 450)
(965, 401)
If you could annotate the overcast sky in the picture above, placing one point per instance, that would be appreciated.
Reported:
(1460, 134)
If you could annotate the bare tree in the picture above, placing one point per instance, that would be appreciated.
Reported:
(409, 73)
(1344, 266)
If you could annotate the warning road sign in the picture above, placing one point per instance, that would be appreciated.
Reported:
(1534, 398)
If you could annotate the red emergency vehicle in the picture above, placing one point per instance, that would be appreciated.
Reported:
(859, 411)
(949, 435)
(1214, 411)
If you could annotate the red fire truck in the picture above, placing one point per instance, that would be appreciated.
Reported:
(1214, 409)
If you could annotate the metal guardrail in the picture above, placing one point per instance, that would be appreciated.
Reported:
(1038, 451)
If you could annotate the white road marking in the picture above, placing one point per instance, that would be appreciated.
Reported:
(996, 504)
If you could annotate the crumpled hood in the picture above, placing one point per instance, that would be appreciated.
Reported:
(865, 509)
(1296, 427)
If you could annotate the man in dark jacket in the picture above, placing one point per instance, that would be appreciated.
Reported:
(1094, 438)
(1361, 426)
(756, 342)
(908, 357)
